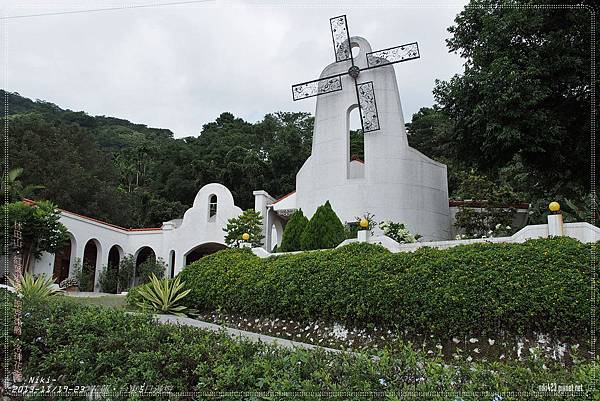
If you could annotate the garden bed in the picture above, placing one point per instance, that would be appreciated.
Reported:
(334, 335)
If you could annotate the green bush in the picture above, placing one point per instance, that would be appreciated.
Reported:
(541, 285)
(324, 230)
(294, 228)
(84, 345)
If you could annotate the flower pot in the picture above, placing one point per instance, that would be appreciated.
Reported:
(72, 288)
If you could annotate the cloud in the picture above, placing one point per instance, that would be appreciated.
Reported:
(179, 67)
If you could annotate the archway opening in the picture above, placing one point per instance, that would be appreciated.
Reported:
(212, 207)
(90, 261)
(356, 144)
(172, 264)
(114, 259)
(62, 261)
(202, 250)
(144, 255)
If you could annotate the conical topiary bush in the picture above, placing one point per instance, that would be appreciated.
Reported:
(324, 230)
(292, 233)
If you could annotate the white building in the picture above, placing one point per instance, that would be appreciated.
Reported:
(176, 242)
(395, 182)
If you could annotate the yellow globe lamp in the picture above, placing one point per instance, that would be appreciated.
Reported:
(364, 223)
(245, 236)
(554, 207)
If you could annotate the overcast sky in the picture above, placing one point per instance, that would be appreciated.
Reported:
(180, 66)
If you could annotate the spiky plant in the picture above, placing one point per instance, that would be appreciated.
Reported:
(34, 287)
(163, 296)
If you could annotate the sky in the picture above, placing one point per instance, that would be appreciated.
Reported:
(179, 66)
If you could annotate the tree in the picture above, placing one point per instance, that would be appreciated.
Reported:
(41, 230)
(12, 185)
(324, 230)
(523, 101)
(249, 222)
(293, 232)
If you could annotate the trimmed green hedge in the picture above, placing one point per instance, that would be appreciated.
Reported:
(83, 345)
(541, 285)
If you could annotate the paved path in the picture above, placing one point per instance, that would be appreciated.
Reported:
(235, 333)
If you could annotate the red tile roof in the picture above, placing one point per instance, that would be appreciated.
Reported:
(283, 197)
(32, 202)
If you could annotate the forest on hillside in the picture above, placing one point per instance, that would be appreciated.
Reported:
(514, 125)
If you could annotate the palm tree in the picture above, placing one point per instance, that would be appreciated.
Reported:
(12, 185)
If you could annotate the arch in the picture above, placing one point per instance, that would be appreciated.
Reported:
(212, 207)
(115, 254)
(276, 233)
(355, 155)
(202, 250)
(91, 253)
(63, 259)
(143, 254)
(172, 264)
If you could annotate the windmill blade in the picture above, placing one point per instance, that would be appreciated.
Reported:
(341, 38)
(392, 55)
(317, 87)
(367, 106)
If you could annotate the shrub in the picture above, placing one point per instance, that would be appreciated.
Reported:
(162, 296)
(108, 279)
(31, 286)
(542, 285)
(151, 266)
(84, 274)
(398, 232)
(84, 345)
(293, 231)
(324, 230)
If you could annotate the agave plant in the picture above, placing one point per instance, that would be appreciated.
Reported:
(163, 295)
(34, 287)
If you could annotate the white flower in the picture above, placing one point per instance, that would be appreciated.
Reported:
(382, 382)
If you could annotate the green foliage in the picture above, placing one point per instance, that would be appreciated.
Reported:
(497, 211)
(162, 296)
(125, 273)
(31, 286)
(91, 345)
(324, 230)
(150, 267)
(108, 279)
(135, 176)
(250, 221)
(398, 232)
(15, 189)
(293, 231)
(41, 229)
(520, 111)
(84, 274)
(539, 286)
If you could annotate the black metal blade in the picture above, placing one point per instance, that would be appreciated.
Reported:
(392, 55)
(341, 38)
(368, 107)
(317, 87)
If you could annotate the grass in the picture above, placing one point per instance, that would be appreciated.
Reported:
(113, 301)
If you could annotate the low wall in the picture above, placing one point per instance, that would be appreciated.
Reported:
(583, 232)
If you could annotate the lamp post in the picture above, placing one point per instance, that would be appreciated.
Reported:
(555, 220)
(363, 232)
(245, 243)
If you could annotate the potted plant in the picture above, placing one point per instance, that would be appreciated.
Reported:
(70, 284)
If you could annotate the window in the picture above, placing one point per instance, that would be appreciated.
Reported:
(212, 206)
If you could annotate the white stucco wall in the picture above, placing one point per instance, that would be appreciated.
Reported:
(180, 236)
(399, 184)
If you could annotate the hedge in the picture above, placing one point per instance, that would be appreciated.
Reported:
(83, 345)
(537, 286)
